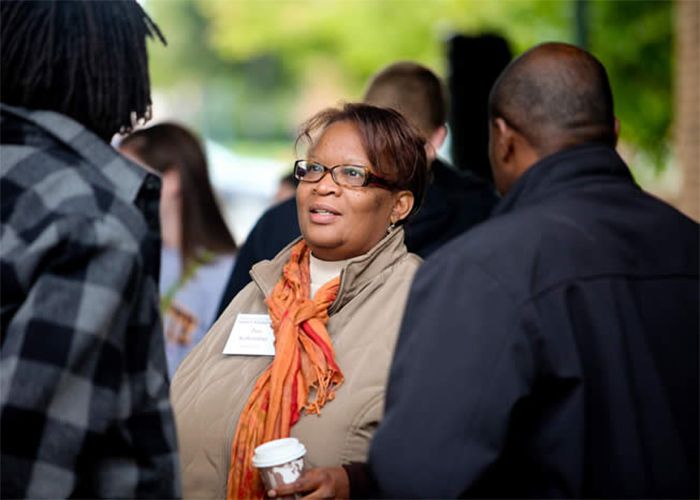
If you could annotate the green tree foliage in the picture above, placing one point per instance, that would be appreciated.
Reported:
(633, 39)
(235, 97)
(361, 36)
(187, 56)
(268, 50)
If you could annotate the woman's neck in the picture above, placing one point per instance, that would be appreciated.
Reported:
(322, 271)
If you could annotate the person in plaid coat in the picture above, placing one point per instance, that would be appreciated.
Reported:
(84, 406)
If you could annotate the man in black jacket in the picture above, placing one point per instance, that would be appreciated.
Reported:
(455, 200)
(552, 351)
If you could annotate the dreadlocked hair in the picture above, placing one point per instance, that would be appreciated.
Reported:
(85, 59)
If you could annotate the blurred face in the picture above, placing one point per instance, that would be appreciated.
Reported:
(340, 222)
(170, 184)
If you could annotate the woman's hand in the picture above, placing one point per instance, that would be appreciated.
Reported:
(322, 482)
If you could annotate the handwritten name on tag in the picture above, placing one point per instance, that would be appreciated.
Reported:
(251, 335)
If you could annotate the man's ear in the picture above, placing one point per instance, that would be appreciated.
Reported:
(403, 203)
(617, 130)
(504, 140)
(503, 154)
(438, 137)
(435, 141)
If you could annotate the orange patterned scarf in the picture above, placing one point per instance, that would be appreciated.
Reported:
(302, 375)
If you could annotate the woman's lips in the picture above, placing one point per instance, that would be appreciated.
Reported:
(323, 214)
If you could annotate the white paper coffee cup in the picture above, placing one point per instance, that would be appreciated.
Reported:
(280, 461)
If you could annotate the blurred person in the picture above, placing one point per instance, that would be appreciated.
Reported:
(334, 297)
(198, 250)
(84, 409)
(287, 188)
(455, 201)
(566, 359)
(275, 228)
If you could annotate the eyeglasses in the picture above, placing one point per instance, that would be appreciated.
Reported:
(353, 176)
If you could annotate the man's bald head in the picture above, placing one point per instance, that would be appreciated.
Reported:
(555, 95)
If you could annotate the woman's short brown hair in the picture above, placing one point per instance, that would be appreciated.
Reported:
(393, 146)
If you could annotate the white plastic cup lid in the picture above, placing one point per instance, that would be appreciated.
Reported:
(278, 452)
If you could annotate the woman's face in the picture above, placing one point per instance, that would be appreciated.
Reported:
(170, 184)
(340, 222)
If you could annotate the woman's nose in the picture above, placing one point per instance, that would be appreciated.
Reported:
(327, 185)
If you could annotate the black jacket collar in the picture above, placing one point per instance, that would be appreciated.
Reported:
(561, 170)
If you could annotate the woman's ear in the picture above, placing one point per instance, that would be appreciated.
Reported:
(403, 203)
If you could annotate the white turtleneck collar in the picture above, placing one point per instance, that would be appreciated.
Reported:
(322, 271)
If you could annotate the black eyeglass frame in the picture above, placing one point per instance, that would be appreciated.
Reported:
(370, 178)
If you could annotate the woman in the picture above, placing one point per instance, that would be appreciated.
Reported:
(335, 299)
(198, 249)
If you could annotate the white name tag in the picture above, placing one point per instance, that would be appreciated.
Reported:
(251, 335)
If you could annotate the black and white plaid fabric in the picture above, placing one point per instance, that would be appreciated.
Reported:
(84, 391)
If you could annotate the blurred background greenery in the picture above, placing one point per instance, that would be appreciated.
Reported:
(245, 73)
